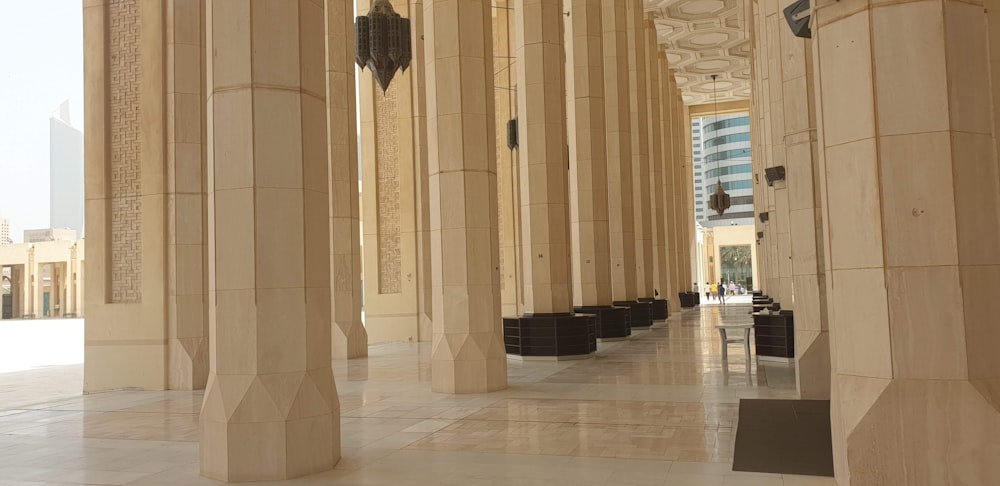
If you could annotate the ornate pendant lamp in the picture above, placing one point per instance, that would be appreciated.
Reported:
(382, 42)
(719, 201)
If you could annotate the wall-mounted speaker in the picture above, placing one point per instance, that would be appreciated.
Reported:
(764, 217)
(773, 174)
(797, 15)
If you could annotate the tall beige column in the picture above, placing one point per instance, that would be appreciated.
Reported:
(547, 325)
(588, 189)
(641, 175)
(671, 214)
(468, 354)
(590, 235)
(688, 217)
(542, 156)
(912, 213)
(678, 188)
(621, 199)
(349, 338)
(656, 195)
(271, 409)
(187, 279)
(425, 301)
(508, 170)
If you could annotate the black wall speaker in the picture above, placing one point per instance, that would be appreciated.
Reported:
(774, 174)
(797, 15)
(764, 217)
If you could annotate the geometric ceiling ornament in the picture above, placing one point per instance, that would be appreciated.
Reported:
(704, 38)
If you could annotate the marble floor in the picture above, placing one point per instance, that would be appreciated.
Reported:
(659, 408)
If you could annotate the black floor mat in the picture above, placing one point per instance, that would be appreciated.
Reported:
(784, 437)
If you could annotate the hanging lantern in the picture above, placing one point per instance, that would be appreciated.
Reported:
(382, 42)
(719, 202)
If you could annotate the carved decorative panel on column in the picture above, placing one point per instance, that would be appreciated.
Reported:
(126, 210)
(387, 170)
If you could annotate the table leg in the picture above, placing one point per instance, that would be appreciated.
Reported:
(746, 346)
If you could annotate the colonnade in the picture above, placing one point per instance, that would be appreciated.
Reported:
(222, 207)
(45, 279)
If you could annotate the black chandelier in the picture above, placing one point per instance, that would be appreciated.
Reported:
(719, 200)
(382, 42)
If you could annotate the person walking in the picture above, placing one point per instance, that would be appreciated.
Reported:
(714, 289)
(722, 291)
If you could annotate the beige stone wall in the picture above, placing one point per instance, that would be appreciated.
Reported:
(391, 163)
(126, 195)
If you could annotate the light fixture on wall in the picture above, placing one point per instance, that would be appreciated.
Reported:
(382, 42)
(719, 201)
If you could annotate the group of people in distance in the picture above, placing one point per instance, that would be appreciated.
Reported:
(721, 290)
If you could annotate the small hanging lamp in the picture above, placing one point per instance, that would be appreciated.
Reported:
(382, 42)
(719, 201)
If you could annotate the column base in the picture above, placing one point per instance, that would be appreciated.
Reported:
(658, 308)
(553, 335)
(640, 313)
(275, 426)
(612, 321)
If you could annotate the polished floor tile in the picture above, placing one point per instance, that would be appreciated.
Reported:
(659, 408)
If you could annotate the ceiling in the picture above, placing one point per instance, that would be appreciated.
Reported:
(702, 38)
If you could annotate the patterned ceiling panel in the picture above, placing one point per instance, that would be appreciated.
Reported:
(702, 38)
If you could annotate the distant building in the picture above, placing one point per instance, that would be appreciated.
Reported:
(5, 232)
(49, 234)
(725, 157)
(65, 172)
(700, 204)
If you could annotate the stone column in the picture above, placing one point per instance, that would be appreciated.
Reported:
(543, 161)
(638, 103)
(678, 188)
(271, 409)
(468, 353)
(349, 339)
(590, 237)
(508, 172)
(688, 218)
(621, 220)
(425, 301)
(187, 309)
(658, 266)
(910, 179)
(672, 141)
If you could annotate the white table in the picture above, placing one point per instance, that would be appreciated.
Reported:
(726, 340)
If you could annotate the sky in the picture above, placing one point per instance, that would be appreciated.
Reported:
(41, 65)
